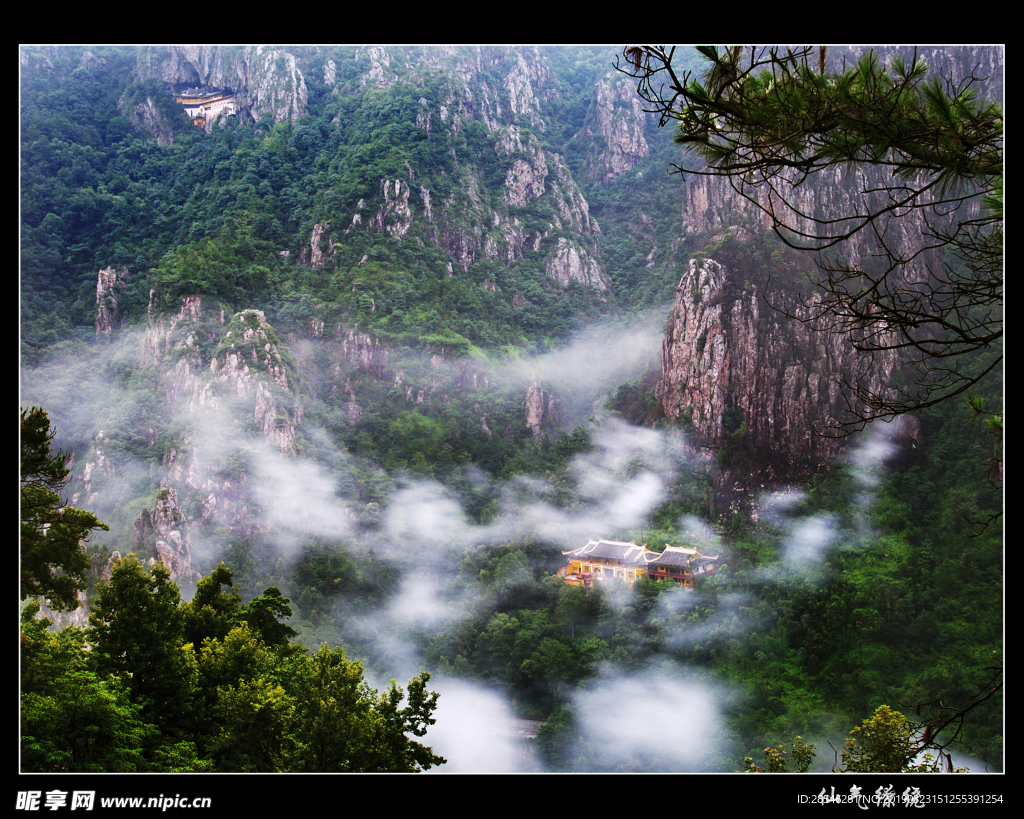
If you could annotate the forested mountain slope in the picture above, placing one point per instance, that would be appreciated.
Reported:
(415, 320)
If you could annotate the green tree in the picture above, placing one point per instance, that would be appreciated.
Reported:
(53, 562)
(246, 715)
(262, 615)
(136, 629)
(887, 742)
(71, 719)
(929, 160)
(344, 725)
(212, 612)
(776, 761)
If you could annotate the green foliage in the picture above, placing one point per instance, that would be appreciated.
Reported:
(885, 742)
(345, 726)
(71, 718)
(776, 761)
(862, 114)
(912, 609)
(144, 649)
(53, 563)
(769, 119)
(129, 694)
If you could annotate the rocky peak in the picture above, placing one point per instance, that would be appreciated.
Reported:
(525, 178)
(541, 408)
(316, 254)
(163, 536)
(395, 215)
(248, 365)
(619, 119)
(379, 73)
(570, 263)
(728, 361)
(173, 343)
(265, 81)
(109, 284)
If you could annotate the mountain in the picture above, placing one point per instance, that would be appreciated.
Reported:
(375, 338)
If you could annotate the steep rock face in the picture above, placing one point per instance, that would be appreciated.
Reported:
(363, 351)
(145, 116)
(499, 84)
(95, 469)
(572, 263)
(248, 366)
(162, 534)
(274, 86)
(501, 214)
(173, 344)
(108, 289)
(619, 119)
(247, 374)
(395, 215)
(534, 406)
(525, 179)
(265, 81)
(573, 209)
(541, 408)
(316, 253)
(713, 204)
(725, 352)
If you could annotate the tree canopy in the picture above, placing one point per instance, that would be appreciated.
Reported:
(885, 742)
(53, 562)
(130, 694)
(912, 264)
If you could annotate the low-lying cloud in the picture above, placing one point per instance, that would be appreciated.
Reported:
(423, 529)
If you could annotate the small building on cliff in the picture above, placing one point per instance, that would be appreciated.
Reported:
(203, 104)
(605, 560)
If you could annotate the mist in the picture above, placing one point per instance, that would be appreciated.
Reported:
(425, 530)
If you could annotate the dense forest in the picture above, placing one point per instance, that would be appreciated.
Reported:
(348, 371)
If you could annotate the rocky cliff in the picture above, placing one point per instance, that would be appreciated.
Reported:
(619, 122)
(162, 534)
(213, 368)
(728, 358)
(266, 81)
(731, 364)
(525, 204)
(109, 284)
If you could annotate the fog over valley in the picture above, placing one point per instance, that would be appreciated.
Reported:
(431, 420)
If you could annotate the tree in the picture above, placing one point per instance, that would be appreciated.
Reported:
(261, 614)
(925, 157)
(53, 562)
(71, 720)
(342, 724)
(136, 629)
(246, 715)
(775, 759)
(213, 612)
(887, 742)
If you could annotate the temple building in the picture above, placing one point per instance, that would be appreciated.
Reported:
(206, 104)
(604, 560)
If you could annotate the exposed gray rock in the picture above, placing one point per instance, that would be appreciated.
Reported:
(265, 81)
(163, 535)
(571, 263)
(620, 121)
(724, 350)
(109, 284)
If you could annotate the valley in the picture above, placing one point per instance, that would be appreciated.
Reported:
(384, 340)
